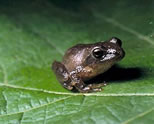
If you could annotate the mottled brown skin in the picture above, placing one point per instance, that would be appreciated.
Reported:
(85, 61)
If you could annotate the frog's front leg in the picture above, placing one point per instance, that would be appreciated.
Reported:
(84, 88)
(62, 75)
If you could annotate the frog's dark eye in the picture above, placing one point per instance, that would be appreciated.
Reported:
(97, 53)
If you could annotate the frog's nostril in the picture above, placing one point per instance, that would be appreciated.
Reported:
(116, 41)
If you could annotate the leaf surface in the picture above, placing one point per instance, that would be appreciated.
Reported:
(35, 33)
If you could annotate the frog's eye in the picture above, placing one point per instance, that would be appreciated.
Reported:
(97, 53)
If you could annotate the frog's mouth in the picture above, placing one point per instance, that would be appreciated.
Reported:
(113, 54)
(121, 54)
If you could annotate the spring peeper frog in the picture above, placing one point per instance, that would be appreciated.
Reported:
(85, 61)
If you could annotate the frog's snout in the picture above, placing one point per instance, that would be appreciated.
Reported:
(121, 53)
(118, 48)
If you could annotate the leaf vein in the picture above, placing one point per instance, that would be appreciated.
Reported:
(137, 116)
(45, 115)
(48, 42)
(36, 107)
(5, 80)
(125, 28)
(114, 115)
(22, 116)
(5, 98)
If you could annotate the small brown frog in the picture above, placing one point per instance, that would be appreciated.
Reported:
(85, 61)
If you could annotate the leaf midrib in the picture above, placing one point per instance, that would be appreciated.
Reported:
(77, 94)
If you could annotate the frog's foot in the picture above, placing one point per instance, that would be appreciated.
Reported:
(93, 88)
(83, 88)
(62, 75)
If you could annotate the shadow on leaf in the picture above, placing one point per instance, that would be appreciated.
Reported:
(117, 73)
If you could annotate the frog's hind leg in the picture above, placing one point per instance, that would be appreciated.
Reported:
(73, 81)
(62, 74)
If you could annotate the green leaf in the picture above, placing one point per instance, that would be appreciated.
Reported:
(35, 33)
